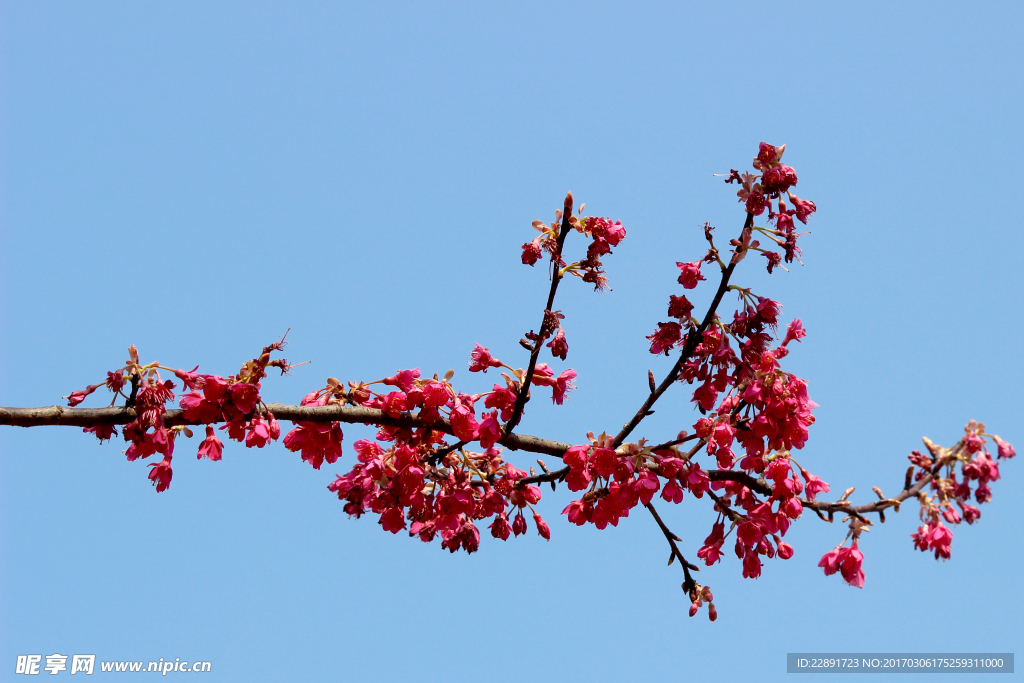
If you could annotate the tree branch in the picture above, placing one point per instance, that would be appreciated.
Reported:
(91, 417)
(538, 343)
(692, 340)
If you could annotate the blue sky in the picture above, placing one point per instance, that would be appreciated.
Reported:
(197, 178)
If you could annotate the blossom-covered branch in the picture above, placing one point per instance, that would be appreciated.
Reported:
(437, 464)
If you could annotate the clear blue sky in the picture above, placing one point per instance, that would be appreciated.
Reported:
(197, 178)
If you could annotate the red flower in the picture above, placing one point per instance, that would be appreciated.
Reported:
(559, 346)
(689, 274)
(679, 307)
(531, 252)
(211, 447)
(542, 527)
(489, 430)
(500, 527)
(562, 386)
(244, 396)
(259, 433)
(102, 432)
(464, 424)
(579, 512)
(794, 331)
(756, 202)
(665, 337)
(482, 359)
(77, 397)
(804, 208)
(161, 474)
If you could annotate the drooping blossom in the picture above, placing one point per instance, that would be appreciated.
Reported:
(558, 345)
(161, 474)
(211, 447)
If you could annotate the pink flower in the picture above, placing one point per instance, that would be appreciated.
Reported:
(559, 346)
(482, 359)
(562, 386)
(393, 520)
(847, 561)
(830, 561)
(531, 252)
(199, 409)
(604, 461)
(1006, 450)
(679, 307)
(464, 424)
(851, 566)
(778, 179)
(318, 441)
(936, 537)
(500, 527)
(576, 457)
(489, 431)
(161, 474)
(785, 550)
(579, 512)
(403, 379)
(646, 486)
(394, 403)
(519, 524)
(689, 274)
(577, 480)
(77, 397)
(665, 337)
(615, 233)
(244, 396)
(751, 565)
(794, 331)
(191, 379)
(259, 433)
(710, 552)
(542, 527)
(784, 221)
(115, 380)
(804, 208)
(435, 395)
(102, 432)
(767, 155)
(543, 375)
(211, 447)
(697, 480)
(672, 492)
(756, 202)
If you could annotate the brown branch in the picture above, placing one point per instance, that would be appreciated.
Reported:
(91, 417)
(553, 476)
(538, 343)
(689, 585)
(693, 338)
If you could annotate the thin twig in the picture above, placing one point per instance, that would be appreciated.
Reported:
(538, 343)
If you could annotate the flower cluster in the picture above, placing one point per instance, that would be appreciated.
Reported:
(212, 399)
(846, 561)
(411, 477)
(753, 417)
(952, 494)
(603, 233)
(775, 179)
(401, 482)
